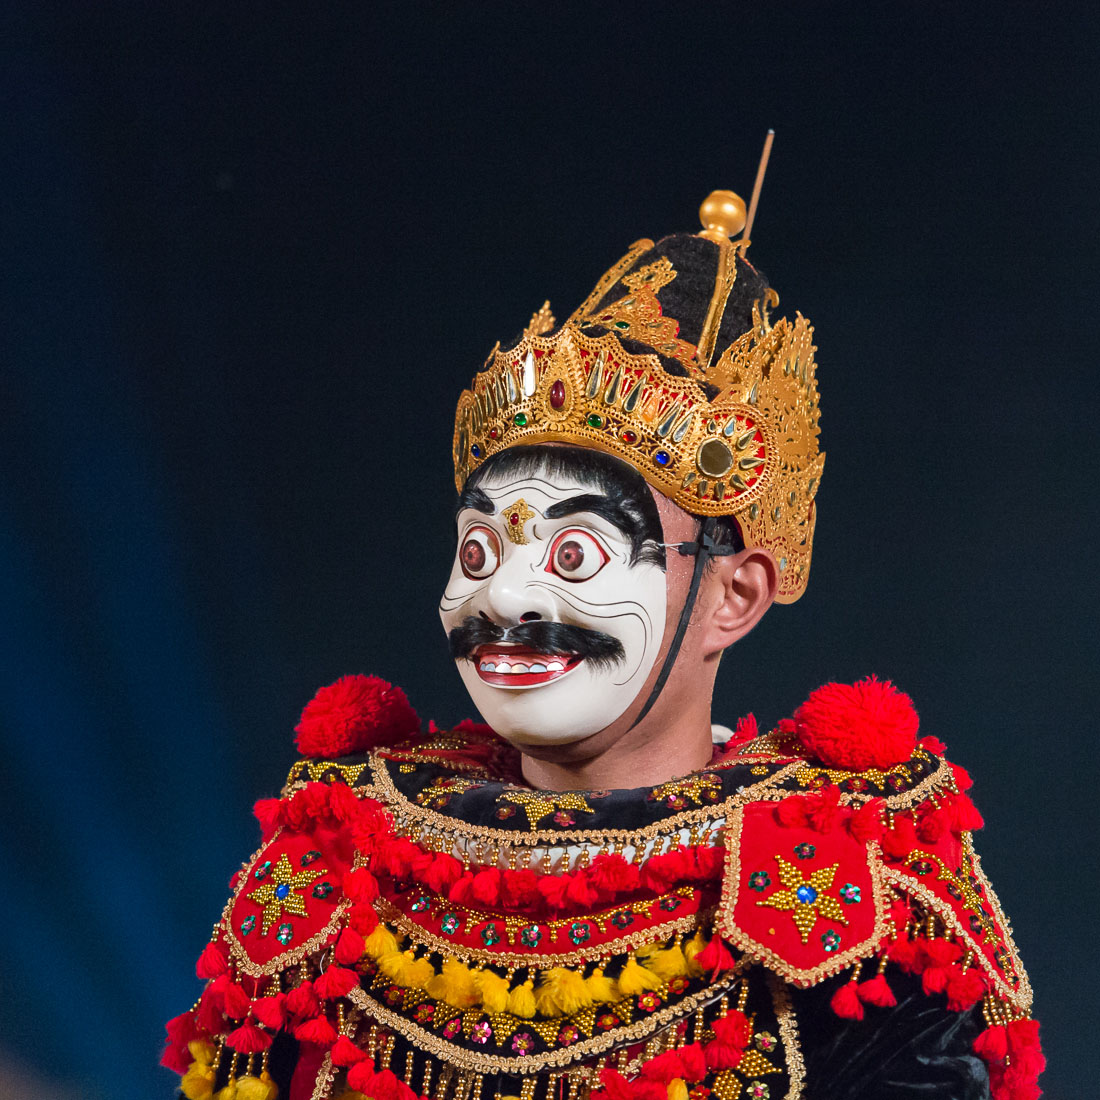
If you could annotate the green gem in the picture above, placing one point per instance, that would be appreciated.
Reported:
(421, 903)
(312, 856)
(622, 324)
(323, 889)
(531, 935)
(489, 935)
(449, 924)
(262, 870)
(285, 933)
(247, 925)
(594, 421)
(520, 420)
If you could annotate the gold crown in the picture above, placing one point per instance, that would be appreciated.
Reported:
(738, 437)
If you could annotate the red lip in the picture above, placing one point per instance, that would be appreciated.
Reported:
(511, 655)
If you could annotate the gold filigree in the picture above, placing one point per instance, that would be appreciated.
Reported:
(751, 452)
(541, 322)
(516, 517)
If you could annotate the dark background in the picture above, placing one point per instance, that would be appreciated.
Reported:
(250, 255)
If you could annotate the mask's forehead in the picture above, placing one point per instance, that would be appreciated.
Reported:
(539, 490)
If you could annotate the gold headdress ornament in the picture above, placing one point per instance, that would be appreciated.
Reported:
(734, 434)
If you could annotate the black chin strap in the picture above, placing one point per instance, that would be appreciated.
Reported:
(703, 550)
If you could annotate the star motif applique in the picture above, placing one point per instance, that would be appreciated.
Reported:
(538, 805)
(805, 898)
(277, 895)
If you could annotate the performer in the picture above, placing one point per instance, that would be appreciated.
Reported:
(600, 895)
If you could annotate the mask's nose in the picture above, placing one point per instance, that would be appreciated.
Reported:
(512, 598)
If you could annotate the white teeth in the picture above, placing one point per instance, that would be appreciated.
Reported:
(519, 668)
(488, 666)
(555, 666)
(538, 668)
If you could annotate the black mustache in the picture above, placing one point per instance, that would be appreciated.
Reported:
(600, 650)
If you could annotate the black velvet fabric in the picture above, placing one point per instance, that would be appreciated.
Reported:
(917, 1050)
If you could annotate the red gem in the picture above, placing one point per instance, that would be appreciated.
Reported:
(493, 433)
(629, 437)
(557, 394)
(513, 519)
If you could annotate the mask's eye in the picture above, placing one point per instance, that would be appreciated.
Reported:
(576, 556)
(479, 553)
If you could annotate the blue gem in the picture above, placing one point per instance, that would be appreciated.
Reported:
(475, 450)
(806, 894)
(282, 890)
(662, 458)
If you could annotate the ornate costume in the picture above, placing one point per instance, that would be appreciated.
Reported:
(805, 917)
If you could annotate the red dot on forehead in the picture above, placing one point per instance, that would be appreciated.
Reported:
(514, 518)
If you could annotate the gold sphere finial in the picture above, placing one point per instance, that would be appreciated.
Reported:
(722, 215)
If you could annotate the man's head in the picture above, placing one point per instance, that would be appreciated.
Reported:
(563, 598)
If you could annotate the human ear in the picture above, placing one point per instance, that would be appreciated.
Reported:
(741, 587)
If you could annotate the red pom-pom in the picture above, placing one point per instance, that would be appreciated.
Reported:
(335, 981)
(877, 991)
(346, 1053)
(616, 1086)
(213, 961)
(361, 1077)
(745, 730)
(461, 891)
(349, 947)
(866, 823)
(236, 1002)
(302, 1001)
(900, 840)
(318, 1030)
(521, 888)
(992, 1044)
(363, 918)
(443, 872)
(268, 812)
(360, 885)
(964, 989)
(176, 1058)
(352, 715)
(965, 816)
(611, 875)
(933, 744)
(270, 1011)
(664, 1067)
(869, 724)
(552, 890)
(486, 887)
(694, 1062)
(793, 812)
(845, 1002)
(715, 956)
(248, 1039)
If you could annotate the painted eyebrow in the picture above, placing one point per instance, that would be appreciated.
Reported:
(598, 505)
(477, 499)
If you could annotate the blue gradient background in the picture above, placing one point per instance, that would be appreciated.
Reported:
(249, 261)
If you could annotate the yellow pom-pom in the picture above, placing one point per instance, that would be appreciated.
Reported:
(562, 992)
(521, 1001)
(351, 1094)
(600, 987)
(198, 1082)
(229, 1092)
(493, 990)
(636, 979)
(380, 942)
(691, 949)
(677, 1089)
(394, 965)
(418, 973)
(201, 1051)
(666, 963)
(257, 1088)
(455, 985)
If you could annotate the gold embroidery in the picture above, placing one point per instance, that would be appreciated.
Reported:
(788, 1034)
(540, 804)
(280, 893)
(806, 899)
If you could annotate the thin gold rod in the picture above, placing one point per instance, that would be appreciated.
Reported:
(763, 167)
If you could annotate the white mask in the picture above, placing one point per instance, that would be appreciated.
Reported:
(517, 566)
